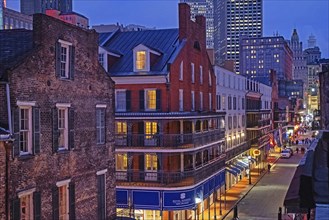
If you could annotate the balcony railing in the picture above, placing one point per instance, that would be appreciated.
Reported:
(169, 140)
(171, 178)
(259, 124)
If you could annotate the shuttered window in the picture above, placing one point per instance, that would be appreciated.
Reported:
(101, 188)
(100, 125)
(65, 55)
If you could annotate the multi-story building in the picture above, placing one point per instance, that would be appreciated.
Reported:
(312, 55)
(324, 97)
(230, 99)
(30, 7)
(57, 101)
(259, 115)
(258, 56)
(10, 19)
(69, 17)
(299, 67)
(205, 8)
(170, 159)
(104, 28)
(233, 19)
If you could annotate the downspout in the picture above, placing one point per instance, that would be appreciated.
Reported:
(8, 109)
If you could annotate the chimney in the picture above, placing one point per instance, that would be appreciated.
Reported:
(184, 20)
(200, 20)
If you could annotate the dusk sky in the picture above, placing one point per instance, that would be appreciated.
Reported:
(282, 16)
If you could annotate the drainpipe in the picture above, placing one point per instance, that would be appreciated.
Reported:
(8, 109)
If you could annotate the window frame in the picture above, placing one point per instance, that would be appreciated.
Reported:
(64, 185)
(121, 165)
(66, 45)
(124, 102)
(29, 143)
(29, 195)
(181, 70)
(181, 99)
(138, 62)
(152, 160)
(193, 72)
(193, 101)
(147, 100)
(201, 74)
(100, 124)
(65, 108)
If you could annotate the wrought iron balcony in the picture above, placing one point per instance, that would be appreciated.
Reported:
(169, 140)
(171, 178)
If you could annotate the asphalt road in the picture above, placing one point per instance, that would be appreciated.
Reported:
(264, 199)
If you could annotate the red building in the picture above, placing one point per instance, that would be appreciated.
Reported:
(69, 17)
(169, 138)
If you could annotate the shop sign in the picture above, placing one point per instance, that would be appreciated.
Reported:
(256, 152)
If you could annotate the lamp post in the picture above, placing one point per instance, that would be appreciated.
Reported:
(249, 159)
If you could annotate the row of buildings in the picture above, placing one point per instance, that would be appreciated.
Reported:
(133, 123)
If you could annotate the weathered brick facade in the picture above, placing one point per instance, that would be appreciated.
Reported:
(35, 80)
(324, 97)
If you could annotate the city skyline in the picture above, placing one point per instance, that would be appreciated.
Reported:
(277, 19)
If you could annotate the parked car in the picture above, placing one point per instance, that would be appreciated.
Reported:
(285, 153)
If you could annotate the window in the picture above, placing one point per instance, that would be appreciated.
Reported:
(100, 125)
(26, 207)
(210, 102)
(151, 128)
(201, 75)
(121, 162)
(151, 162)
(63, 198)
(201, 101)
(234, 103)
(101, 191)
(181, 70)
(192, 73)
(235, 122)
(209, 75)
(229, 101)
(65, 53)
(193, 101)
(120, 100)
(121, 128)
(181, 101)
(101, 59)
(150, 97)
(63, 128)
(140, 60)
(218, 102)
(25, 130)
(223, 102)
(242, 103)
(229, 122)
(243, 120)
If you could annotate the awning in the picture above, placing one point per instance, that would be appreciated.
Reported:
(243, 164)
(253, 160)
(232, 171)
(235, 165)
(237, 170)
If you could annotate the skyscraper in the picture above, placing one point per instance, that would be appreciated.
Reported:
(39, 6)
(205, 8)
(233, 19)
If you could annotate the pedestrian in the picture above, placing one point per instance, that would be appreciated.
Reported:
(268, 168)
(303, 141)
(297, 149)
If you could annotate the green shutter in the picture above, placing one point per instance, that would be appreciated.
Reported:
(55, 130)
(141, 100)
(15, 119)
(158, 100)
(55, 202)
(72, 201)
(101, 197)
(37, 205)
(36, 130)
(58, 59)
(72, 57)
(16, 210)
(71, 128)
(128, 100)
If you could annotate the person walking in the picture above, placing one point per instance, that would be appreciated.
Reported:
(269, 167)
(297, 149)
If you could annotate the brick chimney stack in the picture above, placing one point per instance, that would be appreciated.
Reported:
(184, 20)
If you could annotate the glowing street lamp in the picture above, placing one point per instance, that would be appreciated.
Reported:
(249, 160)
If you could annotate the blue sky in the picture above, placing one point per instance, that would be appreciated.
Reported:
(282, 16)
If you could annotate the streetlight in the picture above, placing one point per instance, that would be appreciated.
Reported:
(249, 160)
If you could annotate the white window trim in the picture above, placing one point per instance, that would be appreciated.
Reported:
(29, 143)
(101, 172)
(181, 70)
(66, 122)
(201, 75)
(25, 103)
(193, 72)
(26, 192)
(63, 182)
(116, 100)
(101, 106)
(63, 105)
(65, 42)
(193, 101)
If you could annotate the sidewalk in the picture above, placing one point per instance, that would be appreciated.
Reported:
(232, 196)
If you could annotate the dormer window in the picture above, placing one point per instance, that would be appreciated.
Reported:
(144, 58)
(141, 60)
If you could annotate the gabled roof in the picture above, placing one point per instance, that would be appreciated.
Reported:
(14, 44)
(164, 41)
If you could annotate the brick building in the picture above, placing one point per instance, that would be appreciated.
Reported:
(57, 101)
(169, 139)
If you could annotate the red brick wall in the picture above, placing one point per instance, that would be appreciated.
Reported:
(35, 80)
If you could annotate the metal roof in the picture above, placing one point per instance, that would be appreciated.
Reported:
(164, 41)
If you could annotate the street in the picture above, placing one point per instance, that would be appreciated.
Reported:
(265, 198)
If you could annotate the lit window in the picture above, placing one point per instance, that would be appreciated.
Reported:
(150, 99)
(63, 128)
(141, 60)
(151, 162)
(26, 207)
(121, 128)
(25, 130)
(151, 128)
(63, 198)
(121, 162)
